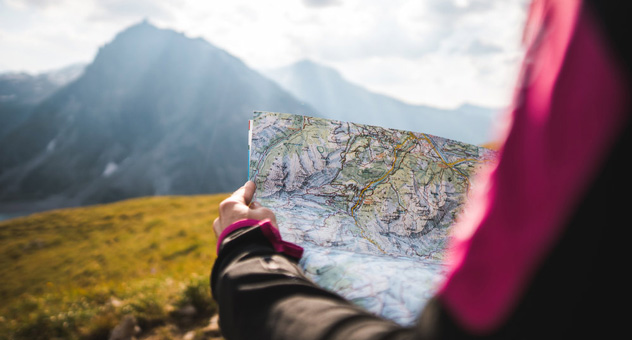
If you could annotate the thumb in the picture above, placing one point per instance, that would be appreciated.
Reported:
(249, 191)
(245, 193)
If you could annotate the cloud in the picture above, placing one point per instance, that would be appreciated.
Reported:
(478, 47)
(120, 9)
(321, 3)
(98, 10)
(24, 4)
(406, 29)
(436, 52)
(401, 47)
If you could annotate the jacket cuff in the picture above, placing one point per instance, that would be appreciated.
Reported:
(269, 232)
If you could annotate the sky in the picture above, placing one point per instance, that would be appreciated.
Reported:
(442, 53)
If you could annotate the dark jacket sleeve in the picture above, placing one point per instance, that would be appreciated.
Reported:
(264, 295)
(577, 289)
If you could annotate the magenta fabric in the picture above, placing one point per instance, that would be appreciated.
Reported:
(566, 116)
(280, 246)
(234, 226)
(269, 231)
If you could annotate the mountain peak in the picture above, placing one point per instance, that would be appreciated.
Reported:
(140, 30)
(156, 112)
(143, 24)
(143, 49)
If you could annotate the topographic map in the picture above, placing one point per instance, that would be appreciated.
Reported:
(371, 206)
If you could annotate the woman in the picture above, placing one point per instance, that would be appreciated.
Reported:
(540, 252)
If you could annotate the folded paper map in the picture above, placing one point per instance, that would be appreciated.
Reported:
(371, 206)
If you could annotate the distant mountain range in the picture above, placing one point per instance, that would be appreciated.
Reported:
(158, 113)
(19, 92)
(325, 89)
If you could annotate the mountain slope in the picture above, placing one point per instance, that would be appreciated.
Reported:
(21, 92)
(155, 113)
(333, 96)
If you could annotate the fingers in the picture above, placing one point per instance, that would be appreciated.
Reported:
(273, 220)
(261, 213)
(238, 195)
(239, 206)
(216, 227)
(249, 191)
(245, 193)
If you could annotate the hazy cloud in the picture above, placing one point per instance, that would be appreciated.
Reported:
(478, 47)
(117, 9)
(404, 48)
(30, 3)
(321, 3)
(407, 29)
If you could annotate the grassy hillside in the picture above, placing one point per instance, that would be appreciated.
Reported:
(75, 273)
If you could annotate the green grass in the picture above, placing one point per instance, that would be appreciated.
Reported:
(74, 273)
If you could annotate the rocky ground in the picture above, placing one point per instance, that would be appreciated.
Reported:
(201, 329)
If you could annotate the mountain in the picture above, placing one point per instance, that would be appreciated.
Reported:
(325, 89)
(21, 92)
(155, 113)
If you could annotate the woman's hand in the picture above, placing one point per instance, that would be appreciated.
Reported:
(240, 206)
